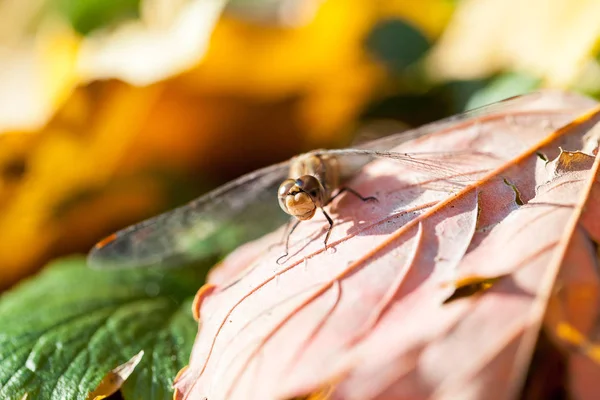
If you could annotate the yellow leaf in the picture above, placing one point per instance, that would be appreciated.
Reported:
(61, 163)
(552, 39)
(37, 75)
(115, 378)
(154, 48)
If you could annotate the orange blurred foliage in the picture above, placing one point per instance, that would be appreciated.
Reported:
(107, 154)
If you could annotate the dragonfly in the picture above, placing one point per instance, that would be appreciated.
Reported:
(246, 208)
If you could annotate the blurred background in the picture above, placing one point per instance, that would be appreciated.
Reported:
(114, 110)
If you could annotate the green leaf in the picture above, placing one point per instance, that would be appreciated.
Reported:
(502, 87)
(88, 15)
(458, 93)
(397, 44)
(63, 330)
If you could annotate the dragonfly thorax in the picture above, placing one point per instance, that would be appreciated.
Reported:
(301, 197)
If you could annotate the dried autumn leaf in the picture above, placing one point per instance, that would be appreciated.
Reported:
(368, 320)
(300, 88)
(37, 75)
(322, 64)
(114, 378)
(46, 206)
(552, 39)
(169, 38)
(573, 316)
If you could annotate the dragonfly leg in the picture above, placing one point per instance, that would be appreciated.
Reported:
(354, 192)
(291, 226)
(330, 227)
(285, 233)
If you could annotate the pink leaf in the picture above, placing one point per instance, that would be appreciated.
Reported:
(370, 319)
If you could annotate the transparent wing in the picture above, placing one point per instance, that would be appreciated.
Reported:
(247, 207)
(453, 165)
(447, 164)
(209, 226)
(528, 102)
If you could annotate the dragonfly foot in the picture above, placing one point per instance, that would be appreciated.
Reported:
(279, 259)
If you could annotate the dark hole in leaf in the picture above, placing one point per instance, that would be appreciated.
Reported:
(518, 198)
(542, 156)
(470, 287)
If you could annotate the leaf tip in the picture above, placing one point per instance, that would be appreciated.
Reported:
(114, 378)
(177, 395)
(202, 293)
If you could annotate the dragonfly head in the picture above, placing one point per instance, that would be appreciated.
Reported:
(301, 197)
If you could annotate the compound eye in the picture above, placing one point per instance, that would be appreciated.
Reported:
(285, 189)
(310, 185)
